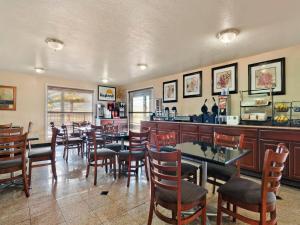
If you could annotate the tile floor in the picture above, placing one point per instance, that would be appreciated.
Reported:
(75, 200)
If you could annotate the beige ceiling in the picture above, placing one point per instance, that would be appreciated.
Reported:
(109, 37)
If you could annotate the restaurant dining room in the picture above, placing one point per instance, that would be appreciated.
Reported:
(156, 112)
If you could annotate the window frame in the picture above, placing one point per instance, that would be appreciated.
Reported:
(47, 86)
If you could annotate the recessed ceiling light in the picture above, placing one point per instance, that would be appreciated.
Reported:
(54, 44)
(39, 70)
(104, 81)
(142, 66)
(228, 35)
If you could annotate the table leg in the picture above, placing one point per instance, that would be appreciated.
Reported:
(122, 143)
(204, 173)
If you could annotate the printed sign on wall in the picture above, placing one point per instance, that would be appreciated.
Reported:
(106, 93)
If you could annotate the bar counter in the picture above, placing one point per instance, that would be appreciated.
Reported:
(257, 139)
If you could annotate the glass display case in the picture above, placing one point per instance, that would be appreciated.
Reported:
(257, 108)
(282, 113)
(295, 114)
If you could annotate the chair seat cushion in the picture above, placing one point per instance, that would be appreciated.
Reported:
(186, 168)
(11, 163)
(220, 172)
(104, 152)
(245, 191)
(39, 153)
(123, 155)
(74, 139)
(190, 192)
(114, 146)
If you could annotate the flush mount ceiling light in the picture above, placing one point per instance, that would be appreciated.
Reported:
(54, 44)
(104, 80)
(142, 66)
(39, 70)
(228, 35)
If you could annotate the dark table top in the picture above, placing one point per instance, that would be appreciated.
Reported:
(201, 151)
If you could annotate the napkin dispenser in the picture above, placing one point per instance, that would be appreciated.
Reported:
(233, 120)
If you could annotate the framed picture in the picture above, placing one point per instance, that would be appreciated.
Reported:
(265, 75)
(170, 91)
(225, 77)
(106, 93)
(7, 97)
(192, 85)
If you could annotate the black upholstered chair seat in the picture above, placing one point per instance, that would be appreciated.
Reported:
(221, 172)
(104, 152)
(244, 191)
(114, 146)
(189, 193)
(11, 163)
(39, 153)
(137, 155)
(186, 168)
(74, 139)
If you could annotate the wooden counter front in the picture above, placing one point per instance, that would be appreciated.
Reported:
(257, 139)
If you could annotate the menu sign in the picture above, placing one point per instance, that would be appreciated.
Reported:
(106, 93)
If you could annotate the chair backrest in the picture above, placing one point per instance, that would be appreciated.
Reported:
(166, 139)
(229, 140)
(111, 129)
(138, 141)
(55, 132)
(52, 124)
(11, 131)
(5, 126)
(272, 169)
(65, 135)
(29, 127)
(163, 174)
(97, 129)
(13, 147)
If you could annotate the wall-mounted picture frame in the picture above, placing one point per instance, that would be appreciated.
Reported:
(170, 91)
(225, 77)
(192, 85)
(8, 95)
(263, 76)
(106, 93)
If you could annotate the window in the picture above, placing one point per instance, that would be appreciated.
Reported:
(66, 105)
(140, 107)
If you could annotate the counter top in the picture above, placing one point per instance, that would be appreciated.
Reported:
(225, 125)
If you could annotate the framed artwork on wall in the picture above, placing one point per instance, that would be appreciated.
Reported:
(170, 91)
(225, 77)
(192, 85)
(8, 97)
(265, 75)
(106, 93)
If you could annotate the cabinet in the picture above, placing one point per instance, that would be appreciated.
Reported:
(153, 130)
(294, 170)
(250, 161)
(165, 127)
(188, 133)
(206, 133)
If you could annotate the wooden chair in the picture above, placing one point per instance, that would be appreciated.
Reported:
(217, 172)
(13, 158)
(252, 196)
(171, 192)
(5, 126)
(71, 143)
(137, 152)
(105, 155)
(37, 156)
(11, 131)
(111, 143)
(168, 140)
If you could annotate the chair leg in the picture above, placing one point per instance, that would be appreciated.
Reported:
(263, 217)
(203, 215)
(273, 216)
(214, 186)
(115, 167)
(25, 182)
(235, 211)
(151, 211)
(219, 213)
(137, 167)
(95, 173)
(106, 165)
(119, 165)
(67, 157)
(146, 169)
(129, 169)
(87, 169)
(30, 172)
(53, 166)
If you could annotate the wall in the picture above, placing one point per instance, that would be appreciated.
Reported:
(189, 106)
(31, 99)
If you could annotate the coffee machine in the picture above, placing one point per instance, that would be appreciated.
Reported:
(122, 109)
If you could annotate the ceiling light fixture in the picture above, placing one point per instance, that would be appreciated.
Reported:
(228, 35)
(39, 70)
(104, 81)
(142, 66)
(54, 44)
